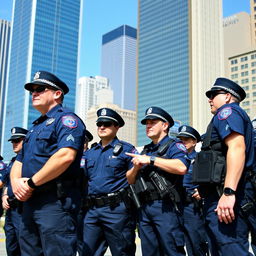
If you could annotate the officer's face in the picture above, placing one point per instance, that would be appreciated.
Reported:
(44, 100)
(17, 145)
(107, 130)
(189, 143)
(218, 99)
(155, 128)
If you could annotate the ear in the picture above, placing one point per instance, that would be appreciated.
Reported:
(228, 97)
(57, 94)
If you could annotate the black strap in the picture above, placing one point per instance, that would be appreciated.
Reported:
(207, 139)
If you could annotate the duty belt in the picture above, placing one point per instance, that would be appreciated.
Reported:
(111, 199)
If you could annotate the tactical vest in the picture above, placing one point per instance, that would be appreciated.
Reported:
(210, 163)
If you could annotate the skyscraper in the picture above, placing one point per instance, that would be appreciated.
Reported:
(118, 64)
(5, 32)
(180, 54)
(92, 91)
(45, 36)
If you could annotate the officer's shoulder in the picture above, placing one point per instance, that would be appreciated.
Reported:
(125, 144)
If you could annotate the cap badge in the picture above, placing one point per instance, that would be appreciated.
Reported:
(13, 130)
(37, 75)
(103, 112)
(183, 129)
(149, 111)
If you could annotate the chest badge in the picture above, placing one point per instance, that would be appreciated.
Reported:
(50, 121)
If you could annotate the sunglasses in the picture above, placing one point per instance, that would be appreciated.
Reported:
(38, 89)
(105, 124)
(16, 140)
(213, 95)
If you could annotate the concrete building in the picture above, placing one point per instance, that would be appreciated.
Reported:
(118, 63)
(45, 36)
(180, 54)
(253, 22)
(126, 133)
(92, 91)
(5, 33)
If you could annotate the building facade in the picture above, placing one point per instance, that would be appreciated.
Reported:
(180, 54)
(92, 91)
(118, 64)
(5, 32)
(45, 36)
(126, 133)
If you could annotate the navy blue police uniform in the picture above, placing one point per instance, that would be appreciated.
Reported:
(2, 169)
(49, 216)
(13, 214)
(160, 223)
(229, 238)
(108, 215)
(195, 233)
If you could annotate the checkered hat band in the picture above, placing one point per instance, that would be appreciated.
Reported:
(19, 134)
(48, 82)
(156, 115)
(229, 90)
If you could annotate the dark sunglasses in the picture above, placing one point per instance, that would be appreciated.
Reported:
(37, 89)
(105, 124)
(214, 94)
(16, 140)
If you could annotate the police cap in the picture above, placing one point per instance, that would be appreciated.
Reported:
(157, 113)
(18, 132)
(227, 85)
(108, 114)
(189, 132)
(88, 136)
(47, 79)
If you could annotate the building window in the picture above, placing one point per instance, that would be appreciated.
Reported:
(253, 71)
(254, 64)
(244, 73)
(244, 66)
(254, 86)
(246, 88)
(234, 76)
(254, 79)
(245, 81)
(253, 56)
(233, 69)
(246, 103)
(244, 59)
(233, 62)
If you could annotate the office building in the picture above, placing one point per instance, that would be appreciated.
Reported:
(92, 91)
(126, 133)
(118, 64)
(45, 36)
(180, 54)
(5, 32)
(253, 22)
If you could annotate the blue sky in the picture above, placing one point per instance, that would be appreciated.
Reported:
(102, 16)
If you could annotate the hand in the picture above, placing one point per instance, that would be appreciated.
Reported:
(139, 160)
(21, 189)
(225, 208)
(196, 195)
(5, 203)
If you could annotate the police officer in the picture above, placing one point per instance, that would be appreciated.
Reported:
(161, 166)
(230, 135)
(109, 216)
(46, 172)
(10, 203)
(195, 233)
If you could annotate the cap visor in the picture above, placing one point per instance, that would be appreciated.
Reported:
(151, 117)
(28, 86)
(14, 137)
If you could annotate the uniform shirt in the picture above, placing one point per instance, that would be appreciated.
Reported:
(232, 118)
(106, 173)
(176, 150)
(6, 178)
(187, 179)
(58, 128)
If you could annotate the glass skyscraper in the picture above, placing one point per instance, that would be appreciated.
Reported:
(45, 36)
(5, 32)
(118, 64)
(179, 56)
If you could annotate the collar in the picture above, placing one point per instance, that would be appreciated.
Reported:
(161, 142)
(111, 144)
(50, 113)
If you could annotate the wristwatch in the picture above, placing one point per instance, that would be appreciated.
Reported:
(152, 160)
(229, 191)
(31, 183)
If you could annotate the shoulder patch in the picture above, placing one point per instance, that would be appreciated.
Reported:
(224, 113)
(2, 166)
(82, 163)
(69, 121)
(181, 146)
